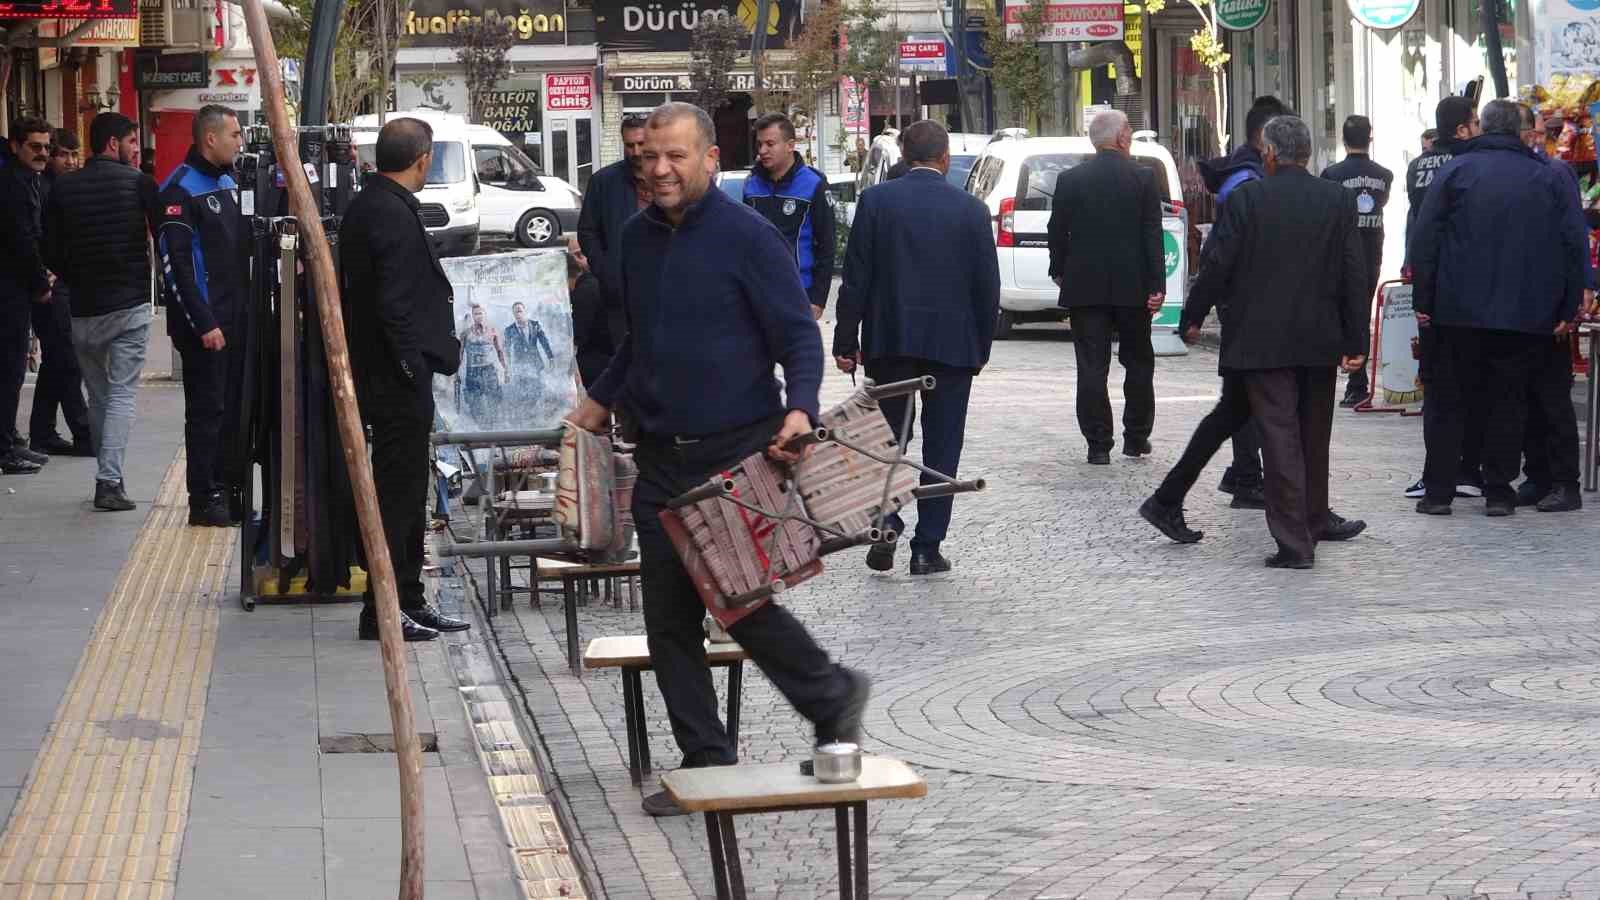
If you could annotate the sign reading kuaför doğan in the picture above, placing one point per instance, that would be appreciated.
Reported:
(433, 23)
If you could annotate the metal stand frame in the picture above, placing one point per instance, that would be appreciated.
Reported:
(1591, 452)
(728, 872)
(639, 734)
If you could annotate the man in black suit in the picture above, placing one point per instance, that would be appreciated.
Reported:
(909, 313)
(1287, 257)
(1105, 254)
(611, 199)
(397, 304)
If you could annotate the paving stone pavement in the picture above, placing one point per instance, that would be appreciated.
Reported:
(1102, 713)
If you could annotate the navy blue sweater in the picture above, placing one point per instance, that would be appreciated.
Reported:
(713, 304)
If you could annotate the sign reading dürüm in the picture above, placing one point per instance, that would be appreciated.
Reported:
(657, 25)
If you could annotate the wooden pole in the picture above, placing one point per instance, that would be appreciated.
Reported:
(380, 569)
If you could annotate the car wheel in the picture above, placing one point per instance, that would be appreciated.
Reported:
(1007, 321)
(537, 228)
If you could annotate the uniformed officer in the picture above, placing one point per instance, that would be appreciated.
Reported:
(1370, 183)
(204, 258)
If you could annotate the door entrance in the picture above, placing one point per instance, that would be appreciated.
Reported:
(569, 148)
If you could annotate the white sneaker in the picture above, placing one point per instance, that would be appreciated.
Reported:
(1469, 489)
(1417, 490)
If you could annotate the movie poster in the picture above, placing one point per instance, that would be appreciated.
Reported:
(514, 321)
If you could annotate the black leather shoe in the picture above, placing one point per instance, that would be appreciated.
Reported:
(1433, 507)
(846, 726)
(32, 456)
(111, 497)
(1352, 399)
(211, 512)
(662, 806)
(1282, 560)
(1500, 507)
(1338, 528)
(12, 464)
(1136, 448)
(1229, 483)
(880, 557)
(1562, 498)
(928, 563)
(1169, 521)
(1248, 496)
(50, 443)
(411, 632)
(430, 617)
(1099, 457)
(1530, 492)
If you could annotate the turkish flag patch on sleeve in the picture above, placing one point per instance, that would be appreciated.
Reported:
(175, 209)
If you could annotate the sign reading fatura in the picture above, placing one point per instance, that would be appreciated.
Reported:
(429, 23)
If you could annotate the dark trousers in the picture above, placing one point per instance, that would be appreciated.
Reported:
(60, 383)
(1294, 409)
(1357, 384)
(14, 319)
(673, 611)
(944, 431)
(400, 470)
(1470, 467)
(1092, 331)
(1484, 372)
(1550, 436)
(205, 384)
(1229, 418)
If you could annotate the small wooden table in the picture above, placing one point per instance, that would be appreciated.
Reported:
(570, 574)
(721, 792)
(631, 654)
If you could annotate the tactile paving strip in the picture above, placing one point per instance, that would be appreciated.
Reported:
(103, 811)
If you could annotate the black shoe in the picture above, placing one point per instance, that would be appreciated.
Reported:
(411, 632)
(1417, 490)
(662, 806)
(1429, 507)
(12, 464)
(880, 557)
(1248, 496)
(32, 456)
(1529, 493)
(928, 563)
(1099, 457)
(846, 726)
(50, 443)
(210, 512)
(1338, 528)
(111, 497)
(1169, 521)
(1562, 498)
(1500, 507)
(1136, 447)
(430, 617)
(1229, 483)
(1352, 400)
(1283, 560)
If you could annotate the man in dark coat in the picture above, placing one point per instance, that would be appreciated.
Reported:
(1370, 183)
(910, 312)
(611, 199)
(1494, 295)
(1105, 253)
(1287, 257)
(24, 280)
(397, 305)
(591, 340)
(60, 384)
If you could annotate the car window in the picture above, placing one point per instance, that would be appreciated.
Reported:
(1036, 185)
(449, 164)
(499, 164)
(985, 176)
(960, 168)
(732, 184)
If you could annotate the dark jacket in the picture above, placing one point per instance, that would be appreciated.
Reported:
(610, 200)
(897, 170)
(800, 207)
(713, 304)
(1420, 174)
(23, 276)
(1223, 175)
(1500, 242)
(523, 345)
(1105, 233)
(921, 279)
(205, 247)
(97, 227)
(397, 300)
(1286, 271)
(590, 337)
(1370, 183)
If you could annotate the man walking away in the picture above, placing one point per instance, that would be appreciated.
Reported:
(921, 296)
(1370, 182)
(611, 199)
(397, 307)
(97, 239)
(1105, 254)
(60, 383)
(204, 244)
(24, 281)
(1494, 295)
(793, 196)
(1287, 256)
(703, 398)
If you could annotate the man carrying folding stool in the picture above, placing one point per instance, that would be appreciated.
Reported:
(714, 301)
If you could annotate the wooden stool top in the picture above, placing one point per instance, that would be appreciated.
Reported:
(633, 651)
(781, 786)
(558, 568)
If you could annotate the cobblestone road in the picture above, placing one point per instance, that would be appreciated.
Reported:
(1101, 713)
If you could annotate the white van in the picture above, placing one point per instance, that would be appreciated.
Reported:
(536, 209)
(885, 152)
(449, 199)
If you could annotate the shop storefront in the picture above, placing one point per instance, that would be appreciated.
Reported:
(68, 69)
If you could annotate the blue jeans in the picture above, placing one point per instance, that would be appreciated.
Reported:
(111, 350)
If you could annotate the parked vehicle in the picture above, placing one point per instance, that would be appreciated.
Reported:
(1016, 177)
(449, 199)
(885, 152)
(517, 199)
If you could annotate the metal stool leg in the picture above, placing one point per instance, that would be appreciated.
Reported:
(632, 716)
(644, 723)
(570, 595)
(730, 847)
(861, 850)
(719, 866)
(735, 700)
(841, 831)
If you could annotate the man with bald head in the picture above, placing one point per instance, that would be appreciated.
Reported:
(1105, 254)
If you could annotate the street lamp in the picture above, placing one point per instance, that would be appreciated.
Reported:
(94, 100)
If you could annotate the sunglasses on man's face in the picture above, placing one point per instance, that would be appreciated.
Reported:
(36, 146)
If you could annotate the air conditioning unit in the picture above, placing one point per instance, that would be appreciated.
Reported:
(174, 24)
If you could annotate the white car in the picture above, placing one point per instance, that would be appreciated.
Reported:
(517, 199)
(885, 152)
(1015, 177)
(449, 199)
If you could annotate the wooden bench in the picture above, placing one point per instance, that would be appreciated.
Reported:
(570, 574)
(723, 792)
(631, 654)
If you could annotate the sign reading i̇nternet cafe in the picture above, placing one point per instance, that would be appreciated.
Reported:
(167, 71)
(1070, 20)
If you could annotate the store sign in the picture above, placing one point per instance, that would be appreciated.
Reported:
(1385, 14)
(510, 112)
(164, 71)
(69, 9)
(678, 83)
(923, 55)
(854, 98)
(233, 85)
(1070, 20)
(668, 25)
(1242, 15)
(434, 23)
(569, 93)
